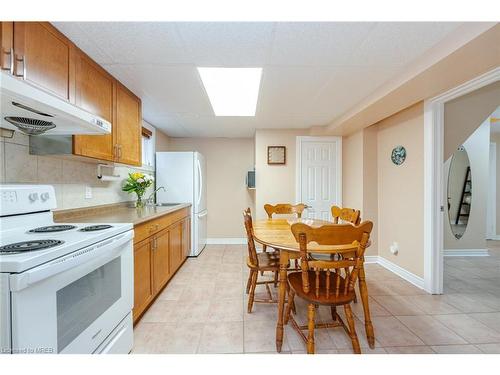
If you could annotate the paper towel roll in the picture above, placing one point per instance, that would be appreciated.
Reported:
(108, 178)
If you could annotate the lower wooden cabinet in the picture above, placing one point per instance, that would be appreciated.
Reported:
(161, 248)
(143, 277)
(176, 256)
(159, 255)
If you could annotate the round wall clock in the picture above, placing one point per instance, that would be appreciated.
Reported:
(398, 155)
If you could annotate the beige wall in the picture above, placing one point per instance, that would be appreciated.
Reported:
(370, 184)
(69, 177)
(401, 189)
(463, 115)
(275, 183)
(352, 170)
(359, 178)
(228, 160)
(162, 141)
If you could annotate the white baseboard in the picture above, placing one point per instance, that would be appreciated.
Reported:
(401, 272)
(371, 259)
(466, 253)
(495, 237)
(226, 241)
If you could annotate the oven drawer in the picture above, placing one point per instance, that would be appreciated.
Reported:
(121, 340)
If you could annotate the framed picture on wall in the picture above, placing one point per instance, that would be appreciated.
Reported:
(276, 155)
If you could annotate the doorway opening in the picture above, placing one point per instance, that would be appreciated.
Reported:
(438, 209)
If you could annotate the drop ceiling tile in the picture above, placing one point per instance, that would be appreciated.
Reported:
(76, 32)
(175, 88)
(138, 42)
(226, 43)
(317, 43)
(289, 90)
(347, 87)
(398, 43)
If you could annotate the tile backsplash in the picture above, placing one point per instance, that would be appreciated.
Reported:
(70, 177)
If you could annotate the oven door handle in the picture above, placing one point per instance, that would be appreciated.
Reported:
(103, 251)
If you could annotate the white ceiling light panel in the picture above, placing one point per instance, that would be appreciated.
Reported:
(232, 91)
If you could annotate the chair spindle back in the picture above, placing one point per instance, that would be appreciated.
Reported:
(346, 245)
(252, 251)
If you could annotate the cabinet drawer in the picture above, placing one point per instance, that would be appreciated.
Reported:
(144, 230)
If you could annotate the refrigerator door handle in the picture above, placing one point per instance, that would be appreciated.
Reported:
(200, 184)
(203, 214)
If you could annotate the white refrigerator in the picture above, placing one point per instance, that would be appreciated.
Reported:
(183, 175)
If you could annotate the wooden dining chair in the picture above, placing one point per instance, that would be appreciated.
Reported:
(346, 215)
(259, 262)
(330, 281)
(284, 209)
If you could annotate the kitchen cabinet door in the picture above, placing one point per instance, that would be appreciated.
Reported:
(161, 261)
(94, 92)
(7, 46)
(128, 127)
(176, 255)
(186, 237)
(43, 57)
(143, 281)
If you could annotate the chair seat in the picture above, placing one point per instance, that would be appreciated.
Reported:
(269, 261)
(295, 281)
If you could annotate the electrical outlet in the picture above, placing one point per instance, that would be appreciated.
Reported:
(394, 248)
(88, 192)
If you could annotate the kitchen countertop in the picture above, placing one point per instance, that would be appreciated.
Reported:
(115, 213)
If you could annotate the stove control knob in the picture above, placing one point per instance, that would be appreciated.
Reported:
(45, 196)
(33, 197)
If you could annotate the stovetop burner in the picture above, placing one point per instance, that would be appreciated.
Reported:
(93, 228)
(20, 247)
(52, 228)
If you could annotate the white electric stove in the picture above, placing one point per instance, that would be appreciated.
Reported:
(64, 287)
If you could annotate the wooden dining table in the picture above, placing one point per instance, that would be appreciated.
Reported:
(276, 233)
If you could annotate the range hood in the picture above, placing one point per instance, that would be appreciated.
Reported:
(33, 111)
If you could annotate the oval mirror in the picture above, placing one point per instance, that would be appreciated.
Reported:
(459, 192)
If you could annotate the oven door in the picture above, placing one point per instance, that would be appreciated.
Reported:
(71, 304)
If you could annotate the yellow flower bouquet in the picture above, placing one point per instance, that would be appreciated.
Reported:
(137, 183)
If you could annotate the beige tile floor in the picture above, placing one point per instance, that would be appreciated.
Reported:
(203, 310)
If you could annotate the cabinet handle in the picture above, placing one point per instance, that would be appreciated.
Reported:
(10, 53)
(15, 70)
(119, 152)
(154, 244)
(152, 228)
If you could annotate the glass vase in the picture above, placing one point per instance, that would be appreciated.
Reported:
(139, 203)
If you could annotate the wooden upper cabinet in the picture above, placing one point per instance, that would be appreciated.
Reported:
(94, 92)
(128, 127)
(161, 261)
(6, 46)
(43, 57)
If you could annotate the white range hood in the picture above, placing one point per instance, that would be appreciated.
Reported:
(33, 111)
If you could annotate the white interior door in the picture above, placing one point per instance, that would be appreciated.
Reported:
(319, 174)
